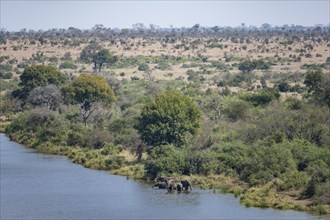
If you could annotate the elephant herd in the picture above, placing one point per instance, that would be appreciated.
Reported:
(172, 184)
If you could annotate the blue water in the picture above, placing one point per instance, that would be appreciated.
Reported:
(40, 186)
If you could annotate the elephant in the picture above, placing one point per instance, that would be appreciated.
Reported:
(160, 179)
(160, 185)
(179, 186)
(172, 184)
(186, 184)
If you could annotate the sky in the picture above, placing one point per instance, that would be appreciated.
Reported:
(48, 14)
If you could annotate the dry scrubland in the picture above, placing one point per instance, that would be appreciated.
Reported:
(276, 50)
(263, 97)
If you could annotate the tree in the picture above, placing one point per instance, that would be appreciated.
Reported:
(89, 51)
(90, 91)
(49, 96)
(103, 56)
(247, 66)
(313, 80)
(235, 109)
(38, 76)
(167, 119)
(318, 85)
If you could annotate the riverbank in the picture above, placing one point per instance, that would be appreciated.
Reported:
(122, 162)
(47, 186)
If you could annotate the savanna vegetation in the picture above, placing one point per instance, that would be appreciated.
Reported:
(244, 110)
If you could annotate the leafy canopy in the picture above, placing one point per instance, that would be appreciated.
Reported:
(318, 85)
(89, 90)
(38, 76)
(167, 119)
(103, 56)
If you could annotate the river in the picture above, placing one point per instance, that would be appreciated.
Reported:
(41, 186)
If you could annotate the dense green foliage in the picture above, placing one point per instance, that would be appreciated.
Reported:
(167, 119)
(68, 65)
(101, 57)
(88, 90)
(318, 85)
(35, 76)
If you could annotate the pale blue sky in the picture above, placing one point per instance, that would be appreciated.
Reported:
(36, 15)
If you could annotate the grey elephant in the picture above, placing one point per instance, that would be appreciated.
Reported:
(160, 179)
(186, 185)
(160, 185)
(163, 182)
(173, 185)
(179, 186)
(170, 184)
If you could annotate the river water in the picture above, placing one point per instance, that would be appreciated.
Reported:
(40, 186)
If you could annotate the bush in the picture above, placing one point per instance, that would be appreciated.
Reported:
(44, 125)
(293, 180)
(8, 85)
(143, 67)
(6, 71)
(134, 78)
(163, 66)
(235, 109)
(283, 87)
(247, 66)
(202, 162)
(261, 98)
(322, 194)
(68, 65)
(97, 138)
(263, 164)
(165, 160)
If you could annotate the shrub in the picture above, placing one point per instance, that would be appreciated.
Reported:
(165, 160)
(68, 65)
(293, 180)
(42, 124)
(235, 109)
(163, 66)
(202, 162)
(97, 138)
(134, 78)
(261, 98)
(143, 67)
(5, 71)
(283, 87)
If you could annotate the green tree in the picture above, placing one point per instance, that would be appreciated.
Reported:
(235, 109)
(247, 66)
(167, 119)
(318, 85)
(101, 57)
(38, 76)
(90, 91)
(313, 80)
(89, 51)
